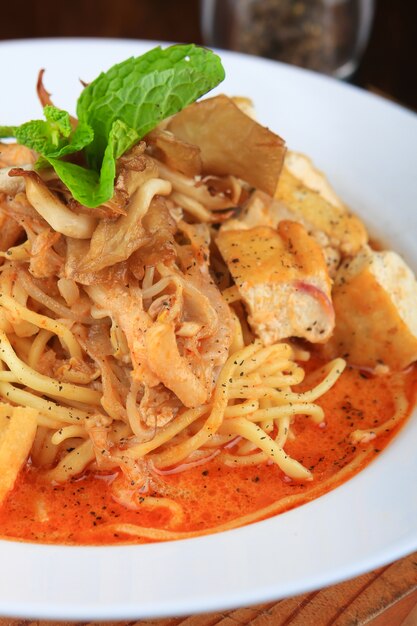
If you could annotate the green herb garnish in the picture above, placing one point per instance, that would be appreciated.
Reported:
(53, 137)
(114, 112)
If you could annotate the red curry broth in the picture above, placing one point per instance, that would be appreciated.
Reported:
(77, 512)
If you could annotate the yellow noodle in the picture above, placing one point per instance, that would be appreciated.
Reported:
(247, 419)
(279, 412)
(73, 463)
(43, 451)
(38, 346)
(192, 206)
(248, 407)
(48, 422)
(67, 432)
(255, 434)
(42, 321)
(401, 406)
(8, 377)
(220, 399)
(237, 460)
(22, 346)
(39, 382)
(48, 408)
(336, 368)
(283, 350)
(165, 434)
(283, 430)
(238, 341)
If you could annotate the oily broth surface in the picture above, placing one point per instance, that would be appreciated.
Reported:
(77, 512)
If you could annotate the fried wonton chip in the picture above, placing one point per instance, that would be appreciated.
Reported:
(177, 154)
(17, 433)
(231, 142)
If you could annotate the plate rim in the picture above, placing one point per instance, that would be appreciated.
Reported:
(69, 610)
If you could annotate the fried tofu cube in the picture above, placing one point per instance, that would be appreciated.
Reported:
(344, 230)
(304, 195)
(375, 301)
(18, 426)
(303, 168)
(282, 278)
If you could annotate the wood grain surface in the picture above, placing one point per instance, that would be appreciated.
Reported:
(384, 597)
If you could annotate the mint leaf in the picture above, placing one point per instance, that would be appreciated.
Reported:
(46, 137)
(79, 139)
(7, 132)
(38, 136)
(53, 137)
(144, 90)
(87, 186)
(58, 119)
(115, 111)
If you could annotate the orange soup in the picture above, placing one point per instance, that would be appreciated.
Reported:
(83, 510)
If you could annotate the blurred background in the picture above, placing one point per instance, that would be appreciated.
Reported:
(307, 32)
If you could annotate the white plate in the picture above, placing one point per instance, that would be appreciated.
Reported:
(368, 147)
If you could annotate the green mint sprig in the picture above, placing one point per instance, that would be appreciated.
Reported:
(114, 112)
(53, 137)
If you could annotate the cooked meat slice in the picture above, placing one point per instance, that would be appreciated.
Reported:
(282, 277)
(375, 301)
(125, 309)
(171, 367)
(12, 154)
(10, 231)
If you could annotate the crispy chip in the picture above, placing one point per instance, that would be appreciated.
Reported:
(17, 433)
(230, 142)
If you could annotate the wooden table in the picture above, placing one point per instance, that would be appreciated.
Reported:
(384, 597)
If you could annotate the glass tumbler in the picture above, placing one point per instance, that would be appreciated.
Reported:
(327, 36)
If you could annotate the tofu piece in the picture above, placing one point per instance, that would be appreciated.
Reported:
(344, 230)
(282, 278)
(375, 301)
(303, 168)
(304, 195)
(263, 210)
